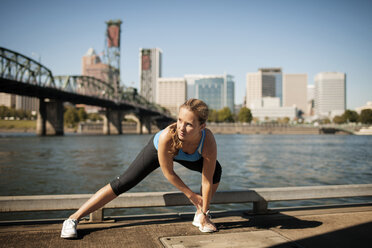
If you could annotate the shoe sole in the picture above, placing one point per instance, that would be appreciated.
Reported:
(68, 236)
(206, 230)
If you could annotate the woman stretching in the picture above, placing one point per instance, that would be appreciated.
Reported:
(187, 142)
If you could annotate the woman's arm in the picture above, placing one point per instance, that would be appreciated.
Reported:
(166, 165)
(209, 164)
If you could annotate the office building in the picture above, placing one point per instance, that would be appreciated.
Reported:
(150, 70)
(7, 100)
(217, 91)
(310, 100)
(171, 93)
(92, 66)
(295, 91)
(267, 82)
(19, 102)
(330, 94)
(268, 108)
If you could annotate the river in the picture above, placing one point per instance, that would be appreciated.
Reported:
(78, 164)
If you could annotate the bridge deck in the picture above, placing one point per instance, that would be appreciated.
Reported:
(308, 227)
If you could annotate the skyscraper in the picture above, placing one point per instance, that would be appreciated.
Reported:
(330, 93)
(267, 82)
(272, 83)
(295, 91)
(217, 91)
(171, 93)
(92, 66)
(150, 71)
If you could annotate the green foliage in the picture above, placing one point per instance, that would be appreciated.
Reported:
(225, 115)
(339, 119)
(94, 117)
(222, 115)
(350, 116)
(325, 121)
(366, 116)
(82, 114)
(71, 117)
(16, 113)
(213, 116)
(245, 115)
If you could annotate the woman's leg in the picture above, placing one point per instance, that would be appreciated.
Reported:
(98, 200)
(145, 162)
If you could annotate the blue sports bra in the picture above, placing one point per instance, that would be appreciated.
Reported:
(181, 155)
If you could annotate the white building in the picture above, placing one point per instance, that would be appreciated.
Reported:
(367, 106)
(150, 70)
(295, 91)
(171, 93)
(269, 108)
(330, 94)
(310, 100)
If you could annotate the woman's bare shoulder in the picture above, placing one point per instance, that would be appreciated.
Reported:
(165, 136)
(210, 146)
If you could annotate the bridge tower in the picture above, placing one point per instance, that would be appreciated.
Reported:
(112, 53)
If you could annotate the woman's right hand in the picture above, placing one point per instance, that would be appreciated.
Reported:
(197, 200)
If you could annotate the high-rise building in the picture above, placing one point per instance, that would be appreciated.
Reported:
(295, 91)
(310, 99)
(8, 100)
(330, 93)
(254, 89)
(19, 102)
(93, 67)
(267, 82)
(217, 91)
(150, 71)
(272, 83)
(171, 93)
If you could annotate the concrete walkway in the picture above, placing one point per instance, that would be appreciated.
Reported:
(307, 227)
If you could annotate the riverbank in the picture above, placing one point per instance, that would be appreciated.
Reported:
(29, 126)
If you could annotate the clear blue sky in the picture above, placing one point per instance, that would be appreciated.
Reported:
(202, 37)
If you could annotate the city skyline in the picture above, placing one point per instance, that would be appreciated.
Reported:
(209, 37)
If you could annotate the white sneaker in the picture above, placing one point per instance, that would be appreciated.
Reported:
(196, 221)
(69, 229)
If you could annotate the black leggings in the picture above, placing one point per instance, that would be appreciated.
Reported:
(146, 162)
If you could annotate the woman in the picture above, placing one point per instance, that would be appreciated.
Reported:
(187, 142)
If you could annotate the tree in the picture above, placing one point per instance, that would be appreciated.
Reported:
(245, 115)
(94, 117)
(71, 117)
(4, 111)
(213, 116)
(82, 114)
(326, 121)
(339, 119)
(225, 115)
(350, 116)
(366, 116)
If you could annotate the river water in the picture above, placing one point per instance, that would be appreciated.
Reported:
(77, 164)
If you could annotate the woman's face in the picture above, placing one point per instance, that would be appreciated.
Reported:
(188, 126)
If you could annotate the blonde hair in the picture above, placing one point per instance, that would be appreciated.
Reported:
(200, 109)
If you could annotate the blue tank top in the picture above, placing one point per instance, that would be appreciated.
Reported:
(181, 155)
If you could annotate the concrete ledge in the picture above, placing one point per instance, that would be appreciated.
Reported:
(162, 199)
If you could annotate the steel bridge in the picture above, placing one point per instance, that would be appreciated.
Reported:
(22, 75)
